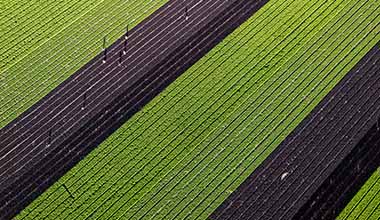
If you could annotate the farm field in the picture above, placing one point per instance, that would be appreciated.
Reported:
(366, 203)
(291, 183)
(188, 149)
(53, 144)
(60, 50)
(26, 25)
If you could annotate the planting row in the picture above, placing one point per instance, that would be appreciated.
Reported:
(92, 103)
(366, 203)
(284, 183)
(38, 73)
(29, 24)
(185, 152)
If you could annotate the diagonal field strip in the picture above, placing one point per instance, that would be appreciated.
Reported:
(114, 93)
(284, 183)
(350, 175)
(38, 73)
(366, 203)
(364, 157)
(9, 137)
(9, 133)
(193, 144)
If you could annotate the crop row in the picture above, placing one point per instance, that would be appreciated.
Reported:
(12, 136)
(28, 25)
(36, 75)
(366, 203)
(173, 90)
(302, 159)
(77, 143)
(169, 89)
(181, 154)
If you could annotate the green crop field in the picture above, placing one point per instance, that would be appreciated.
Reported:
(29, 24)
(366, 203)
(61, 38)
(188, 149)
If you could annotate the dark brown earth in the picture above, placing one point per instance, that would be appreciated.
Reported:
(342, 185)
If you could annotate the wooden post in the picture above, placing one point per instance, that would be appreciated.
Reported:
(126, 40)
(186, 13)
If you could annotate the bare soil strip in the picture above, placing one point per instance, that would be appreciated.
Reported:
(338, 190)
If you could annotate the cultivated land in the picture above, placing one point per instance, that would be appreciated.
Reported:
(188, 149)
(64, 45)
(110, 90)
(26, 25)
(293, 182)
(366, 203)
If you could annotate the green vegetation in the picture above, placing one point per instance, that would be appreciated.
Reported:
(59, 39)
(25, 25)
(188, 149)
(366, 203)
